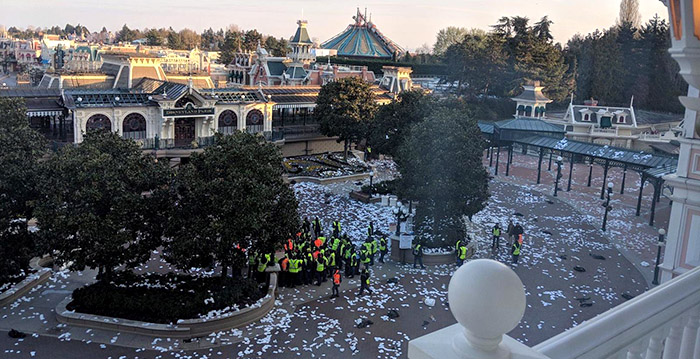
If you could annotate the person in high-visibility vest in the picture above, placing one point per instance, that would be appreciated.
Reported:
(350, 261)
(252, 259)
(336, 283)
(294, 267)
(320, 270)
(462, 254)
(365, 256)
(336, 229)
(515, 250)
(364, 281)
(496, 231)
(370, 229)
(457, 245)
(367, 248)
(418, 255)
(335, 243)
(263, 260)
(331, 261)
(383, 249)
(374, 251)
(284, 271)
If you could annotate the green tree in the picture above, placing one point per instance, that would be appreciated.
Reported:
(189, 39)
(441, 166)
(126, 34)
(447, 37)
(346, 108)
(393, 120)
(228, 199)
(102, 204)
(174, 40)
(232, 43)
(22, 149)
(477, 62)
(251, 39)
(154, 38)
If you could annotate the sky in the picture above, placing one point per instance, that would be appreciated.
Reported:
(410, 23)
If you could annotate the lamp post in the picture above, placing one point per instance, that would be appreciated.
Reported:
(371, 176)
(607, 205)
(556, 182)
(661, 243)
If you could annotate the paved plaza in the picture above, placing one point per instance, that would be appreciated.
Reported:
(560, 234)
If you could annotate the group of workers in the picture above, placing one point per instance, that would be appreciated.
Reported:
(515, 234)
(310, 256)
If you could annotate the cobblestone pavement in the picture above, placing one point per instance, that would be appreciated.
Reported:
(561, 234)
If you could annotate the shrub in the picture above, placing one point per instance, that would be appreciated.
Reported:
(381, 188)
(163, 298)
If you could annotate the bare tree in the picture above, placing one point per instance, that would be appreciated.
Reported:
(629, 13)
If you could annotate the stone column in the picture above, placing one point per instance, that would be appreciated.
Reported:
(683, 238)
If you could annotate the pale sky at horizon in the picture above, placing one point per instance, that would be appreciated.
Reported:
(410, 23)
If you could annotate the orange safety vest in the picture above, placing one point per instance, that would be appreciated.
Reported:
(520, 239)
(315, 255)
(289, 246)
(318, 243)
(285, 262)
(336, 277)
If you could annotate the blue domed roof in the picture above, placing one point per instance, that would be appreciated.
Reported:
(363, 39)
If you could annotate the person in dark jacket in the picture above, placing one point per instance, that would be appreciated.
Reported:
(510, 231)
(364, 281)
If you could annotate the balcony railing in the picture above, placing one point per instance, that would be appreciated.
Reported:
(661, 323)
(169, 143)
(662, 320)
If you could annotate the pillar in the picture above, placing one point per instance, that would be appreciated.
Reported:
(639, 199)
(654, 199)
(539, 165)
(498, 157)
(590, 172)
(490, 156)
(508, 160)
(571, 171)
(605, 179)
(549, 167)
(624, 176)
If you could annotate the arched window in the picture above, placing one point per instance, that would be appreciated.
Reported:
(182, 102)
(254, 121)
(586, 117)
(228, 122)
(528, 111)
(620, 119)
(134, 126)
(521, 110)
(98, 122)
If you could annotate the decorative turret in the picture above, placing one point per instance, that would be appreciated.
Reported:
(531, 102)
(301, 45)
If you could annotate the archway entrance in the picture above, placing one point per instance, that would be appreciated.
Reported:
(184, 131)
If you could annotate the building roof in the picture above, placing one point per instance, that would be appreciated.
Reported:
(671, 148)
(615, 154)
(595, 113)
(29, 92)
(276, 68)
(362, 39)
(528, 124)
(301, 36)
(486, 127)
(653, 118)
(532, 93)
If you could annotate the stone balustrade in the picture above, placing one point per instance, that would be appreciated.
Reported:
(488, 300)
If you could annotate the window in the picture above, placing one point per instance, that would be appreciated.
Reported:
(587, 117)
(134, 126)
(254, 121)
(228, 122)
(98, 122)
(620, 119)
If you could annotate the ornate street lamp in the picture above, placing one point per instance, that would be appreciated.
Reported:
(660, 243)
(607, 205)
(556, 183)
(371, 175)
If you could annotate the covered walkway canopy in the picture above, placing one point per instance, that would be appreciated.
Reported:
(549, 138)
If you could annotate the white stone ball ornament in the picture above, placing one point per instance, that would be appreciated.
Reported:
(488, 299)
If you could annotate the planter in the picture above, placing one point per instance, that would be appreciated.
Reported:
(23, 287)
(406, 255)
(184, 329)
(364, 197)
(318, 180)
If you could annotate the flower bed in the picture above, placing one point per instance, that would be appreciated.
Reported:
(163, 298)
(325, 165)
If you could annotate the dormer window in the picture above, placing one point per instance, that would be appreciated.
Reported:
(587, 117)
(620, 119)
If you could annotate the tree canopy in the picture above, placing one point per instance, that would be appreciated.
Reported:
(23, 147)
(102, 203)
(346, 108)
(441, 167)
(229, 199)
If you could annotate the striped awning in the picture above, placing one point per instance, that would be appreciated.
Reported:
(43, 113)
(294, 105)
